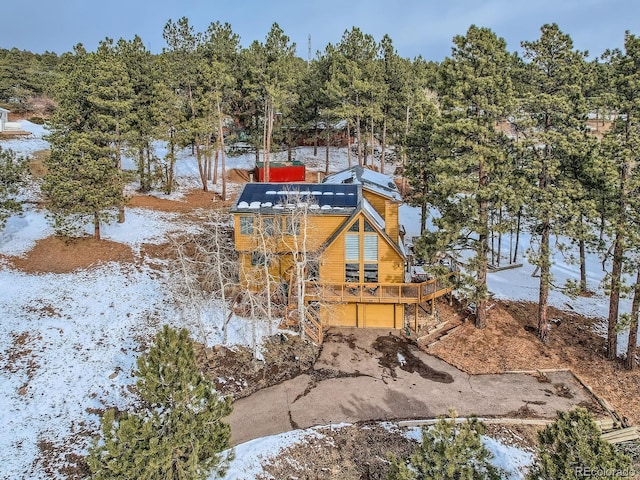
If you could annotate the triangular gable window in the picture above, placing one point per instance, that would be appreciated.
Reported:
(368, 227)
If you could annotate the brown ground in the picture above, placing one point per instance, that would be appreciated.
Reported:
(59, 255)
(192, 200)
(509, 342)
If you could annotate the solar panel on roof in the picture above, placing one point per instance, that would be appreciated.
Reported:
(334, 195)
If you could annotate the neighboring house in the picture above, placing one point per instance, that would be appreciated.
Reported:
(4, 118)
(293, 171)
(353, 248)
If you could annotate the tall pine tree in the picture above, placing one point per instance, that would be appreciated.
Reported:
(554, 111)
(83, 181)
(475, 93)
(621, 148)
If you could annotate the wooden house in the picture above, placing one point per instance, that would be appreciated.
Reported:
(348, 233)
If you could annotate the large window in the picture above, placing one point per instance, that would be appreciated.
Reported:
(361, 265)
(371, 247)
(268, 226)
(246, 225)
(352, 247)
(352, 272)
(371, 273)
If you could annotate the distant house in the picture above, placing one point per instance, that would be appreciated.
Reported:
(293, 171)
(4, 118)
(356, 276)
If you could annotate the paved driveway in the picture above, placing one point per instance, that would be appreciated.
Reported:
(366, 375)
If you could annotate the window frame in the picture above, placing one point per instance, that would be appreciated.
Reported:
(247, 225)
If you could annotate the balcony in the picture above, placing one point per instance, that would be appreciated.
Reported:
(407, 293)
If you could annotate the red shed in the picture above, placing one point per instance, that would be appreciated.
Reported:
(281, 172)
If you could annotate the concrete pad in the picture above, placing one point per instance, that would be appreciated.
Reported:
(370, 375)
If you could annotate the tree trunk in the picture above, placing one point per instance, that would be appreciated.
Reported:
(147, 150)
(96, 226)
(616, 268)
(493, 239)
(483, 219)
(423, 217)
(326, 155)
(358, 136)
(384, 144)
(267, 141)
(543, 299)
(614, 297)
(633, 328)
(208, 159)
(515, 248)
(499, 235)
(315, 138)
(583, 266)
(216, 158)
(223, 158)
(349, 144)
(201, 168)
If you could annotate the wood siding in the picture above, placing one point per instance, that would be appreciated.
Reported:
(332, 261)
(319, 229)
(388, 209)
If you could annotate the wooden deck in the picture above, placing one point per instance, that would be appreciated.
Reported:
(407, 293)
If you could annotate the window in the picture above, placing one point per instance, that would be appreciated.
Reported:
(352, 247)
(371, 273)
(371, 247)
(313, 270)
(355, 227)
(268, 227)
(352, 272)
(258, 258)
(368, 227)
(246, 225)
(292, 226)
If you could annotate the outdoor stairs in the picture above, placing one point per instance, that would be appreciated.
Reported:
(311, 325)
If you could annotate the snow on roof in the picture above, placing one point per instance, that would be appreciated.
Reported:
(375, 216)
(272, 196)
(369, 179)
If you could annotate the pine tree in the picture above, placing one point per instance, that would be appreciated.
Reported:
(220, 51)
(144, 119)
(620, 152)
(448, 451)
(281, 72)
(83, 181)
(352, 84)
(554, 108)
(422, 150)
(475, 93)
(572, 448)
(179, 434)
(13, 171)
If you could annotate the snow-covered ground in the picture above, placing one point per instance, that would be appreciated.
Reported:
(518, 284)
(68, 342)
(514, 462)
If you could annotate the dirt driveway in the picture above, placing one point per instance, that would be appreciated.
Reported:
(364, 375)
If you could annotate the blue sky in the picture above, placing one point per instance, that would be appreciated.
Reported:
(417, 27)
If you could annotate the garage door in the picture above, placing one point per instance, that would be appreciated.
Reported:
(379, 316)
(343, 315)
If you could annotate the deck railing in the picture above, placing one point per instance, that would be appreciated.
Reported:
(408, 293)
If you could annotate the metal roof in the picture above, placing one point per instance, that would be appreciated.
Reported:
(271, 197)
(370, 179)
